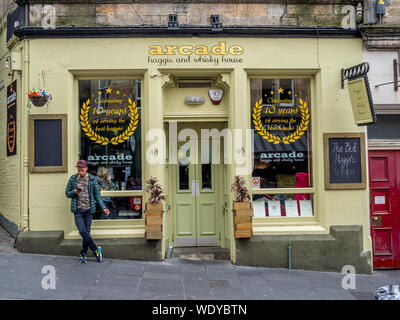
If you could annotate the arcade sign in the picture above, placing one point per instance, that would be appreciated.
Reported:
(11, 119)
(360, 93)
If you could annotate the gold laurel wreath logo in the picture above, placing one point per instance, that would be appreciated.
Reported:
(305, 119)
(84, 116)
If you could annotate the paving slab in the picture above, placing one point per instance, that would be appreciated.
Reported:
(154, 289)
(118, 281)
(247, 271)
(260, 291)
(217, 264)
(196, 289)
(110, 292)
(229, 294)
(122, 268)
(222, 274)
(332, 294)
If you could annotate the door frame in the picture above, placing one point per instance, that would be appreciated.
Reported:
(223, 239)
(394, 205)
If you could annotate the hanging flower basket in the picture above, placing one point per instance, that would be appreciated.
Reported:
(39, 98)
(39, 101)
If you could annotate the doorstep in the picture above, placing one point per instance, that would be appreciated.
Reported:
(202, 253)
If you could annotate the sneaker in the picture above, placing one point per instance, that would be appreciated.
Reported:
(98, 255)
(83, 258)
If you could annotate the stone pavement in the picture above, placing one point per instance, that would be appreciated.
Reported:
(6, 241)
(174, 279)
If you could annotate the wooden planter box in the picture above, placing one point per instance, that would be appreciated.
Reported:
(242, 215)
(153, 221)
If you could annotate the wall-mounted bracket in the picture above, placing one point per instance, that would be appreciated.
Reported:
(395, 77)
(355, 72)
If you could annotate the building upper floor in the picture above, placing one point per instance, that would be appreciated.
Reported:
(200, 13)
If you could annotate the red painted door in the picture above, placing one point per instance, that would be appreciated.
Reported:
(384, 183)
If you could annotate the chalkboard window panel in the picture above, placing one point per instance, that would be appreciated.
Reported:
(48, 147)
(344, 155)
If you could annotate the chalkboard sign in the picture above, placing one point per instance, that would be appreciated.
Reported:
(344, 155)
(48, 147)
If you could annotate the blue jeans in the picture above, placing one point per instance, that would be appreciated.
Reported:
(83, 221)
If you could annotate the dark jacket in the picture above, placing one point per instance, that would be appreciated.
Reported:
(94, 193)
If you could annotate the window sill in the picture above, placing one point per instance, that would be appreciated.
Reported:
(122, 193)
(110, 233)
(288, 229)
(282, 191)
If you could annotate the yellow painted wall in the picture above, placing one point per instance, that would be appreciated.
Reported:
(63, 59)
(9, 166)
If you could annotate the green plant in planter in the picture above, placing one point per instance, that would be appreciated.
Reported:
(155, 190)
(154, 209)
(242, 192)
(242, 209)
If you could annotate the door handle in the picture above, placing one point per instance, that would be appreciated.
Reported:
(195, 188)
(376, 221)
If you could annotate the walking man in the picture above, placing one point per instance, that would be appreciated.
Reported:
(84, 191)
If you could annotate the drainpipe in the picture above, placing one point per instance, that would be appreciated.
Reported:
(23, 141)
(289, 248)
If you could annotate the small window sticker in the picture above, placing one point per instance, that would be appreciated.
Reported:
(379, 199)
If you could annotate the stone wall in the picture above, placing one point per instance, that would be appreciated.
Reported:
(318, 252)
(194, 14)
(5, 6)
(197, 13)
(53, 242)
(392, 13)
(10, 166)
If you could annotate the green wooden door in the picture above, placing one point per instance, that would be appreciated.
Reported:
(197, 205)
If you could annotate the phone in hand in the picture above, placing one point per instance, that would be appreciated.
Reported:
(79, 189)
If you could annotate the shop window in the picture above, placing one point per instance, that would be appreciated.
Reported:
(121, 208)
(274, 90)
(281, 119)
(283, 205)
(110, 137)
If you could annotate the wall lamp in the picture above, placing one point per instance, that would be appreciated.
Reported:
(8, 66)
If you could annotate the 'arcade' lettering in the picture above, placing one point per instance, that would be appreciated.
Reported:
(200, 50)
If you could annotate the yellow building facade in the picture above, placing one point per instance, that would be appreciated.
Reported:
(172, 76)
